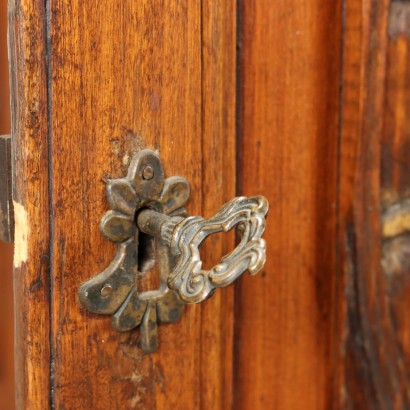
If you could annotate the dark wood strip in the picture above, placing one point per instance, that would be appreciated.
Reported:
(373, 375)
(6, 201)
(31, 205)
(6, 249)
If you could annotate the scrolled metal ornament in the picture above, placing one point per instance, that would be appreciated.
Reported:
(146, 203)
(185, 235)
(115, 291)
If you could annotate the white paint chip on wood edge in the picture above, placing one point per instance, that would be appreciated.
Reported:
(20, 235)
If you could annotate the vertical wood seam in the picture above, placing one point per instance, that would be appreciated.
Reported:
(30, 169)
(200, 376)
(48, 48)
(339, 314)
(238, 185)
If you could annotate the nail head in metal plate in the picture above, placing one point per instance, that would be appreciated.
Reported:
(148, 173)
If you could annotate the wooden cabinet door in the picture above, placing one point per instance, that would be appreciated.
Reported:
(6, 249)
(304, 102)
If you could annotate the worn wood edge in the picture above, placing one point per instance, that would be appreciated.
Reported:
(28, 87)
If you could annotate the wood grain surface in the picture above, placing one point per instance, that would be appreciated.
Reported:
(288, 116)
(30, 191)
(306, 103)
(395, 200)
(6, 249)
(374, 376)
(124, 76)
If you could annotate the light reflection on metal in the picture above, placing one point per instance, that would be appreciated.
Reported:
(146, 203)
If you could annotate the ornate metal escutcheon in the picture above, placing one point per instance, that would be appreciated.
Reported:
(147, 209)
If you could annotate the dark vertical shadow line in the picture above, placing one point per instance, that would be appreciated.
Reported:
(338, 283)
(239, 97)
(13, 110)
(202, 142)
(48, 49)
(238, 191)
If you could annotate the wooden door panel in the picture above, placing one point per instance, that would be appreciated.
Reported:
(31, 203)
(6, 249)
(122, 65)
(288, 140)
(303, 102)
(120, 77)
(372, 198)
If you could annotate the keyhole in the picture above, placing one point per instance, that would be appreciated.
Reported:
(148, 278)
(146, 252)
